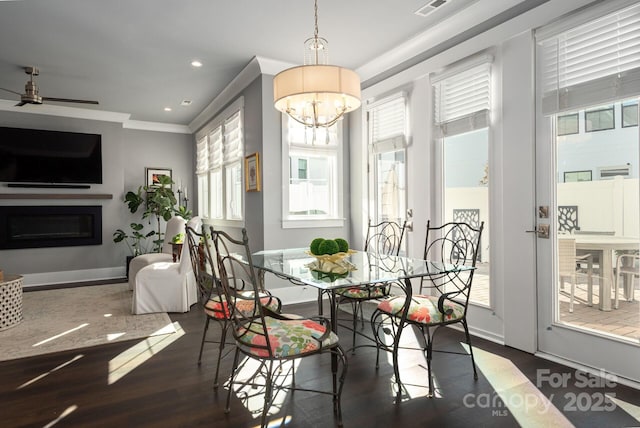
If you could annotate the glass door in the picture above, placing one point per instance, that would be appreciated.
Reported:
(587, 171)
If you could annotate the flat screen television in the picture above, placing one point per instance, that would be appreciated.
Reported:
(40, 156)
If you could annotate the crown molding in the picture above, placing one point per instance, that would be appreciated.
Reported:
(64, 111)
(247, 75)
(273, 66)
(156, 126)
(439, 34)
(90, 114)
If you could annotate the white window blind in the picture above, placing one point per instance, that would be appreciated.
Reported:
(202, 156)
(593, 62)
(388, 124)
(462, 100)
(215, 148)
(232, 138)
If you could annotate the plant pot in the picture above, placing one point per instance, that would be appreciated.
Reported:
(176, 250)
(129, 258)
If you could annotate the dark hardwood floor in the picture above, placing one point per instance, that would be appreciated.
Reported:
(169, 389)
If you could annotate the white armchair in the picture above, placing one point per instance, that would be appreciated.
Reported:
(174, 226)
(167, 286)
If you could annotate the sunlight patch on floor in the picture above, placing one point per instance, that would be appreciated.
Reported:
(523, 400)
(132, 358)
(43, 375)
(419, 387)
(63, 415)
(57, 336)
(114, 336)
(631, 409)
(248, 387)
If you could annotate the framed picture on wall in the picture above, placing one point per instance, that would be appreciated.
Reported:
(153, 176)
(252, 173)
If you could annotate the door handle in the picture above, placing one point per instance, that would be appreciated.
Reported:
(542, 231)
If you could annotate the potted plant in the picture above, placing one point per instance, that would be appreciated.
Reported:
(176, 246)
(158, 201)
(135, 240)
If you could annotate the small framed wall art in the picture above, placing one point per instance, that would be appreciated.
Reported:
(153, 176)
(252, 173)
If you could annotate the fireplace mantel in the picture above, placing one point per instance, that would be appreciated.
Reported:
(56, 196)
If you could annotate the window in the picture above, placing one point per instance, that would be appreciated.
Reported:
(462, 98)
(574, 176)
(312, 172)
(599, 119)
(202, 168)
(629, 114)
(387, 124)
(568, 124)
(609, 172)
(219, 155)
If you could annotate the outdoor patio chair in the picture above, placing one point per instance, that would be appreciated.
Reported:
(626, 264)
(568, 262)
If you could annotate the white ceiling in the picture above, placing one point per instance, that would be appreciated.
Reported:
(133, 56)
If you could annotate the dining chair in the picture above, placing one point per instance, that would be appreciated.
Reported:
(568, 269)
(383, 238)
(212, 298)
(270, 339)
(626, 264)
(454, 244)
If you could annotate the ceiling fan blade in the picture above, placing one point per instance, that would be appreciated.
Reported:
(9, 90)
(68, 100)
(20, 104)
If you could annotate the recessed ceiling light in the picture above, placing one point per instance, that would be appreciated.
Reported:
(167, 109)
(196, 63)
(185, 103)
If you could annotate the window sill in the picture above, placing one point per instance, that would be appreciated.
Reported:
(224, 223)
(310, 224)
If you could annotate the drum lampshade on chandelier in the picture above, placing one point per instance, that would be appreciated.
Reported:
(316, 94)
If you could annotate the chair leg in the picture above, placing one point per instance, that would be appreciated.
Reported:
(615, 290)
(354, 306)
(268, 391)
(429, 357)
(573, 292)
(396, 366)
(236, 357)
(337, 392)
(223, 341)
(468, 337)
(204, 335)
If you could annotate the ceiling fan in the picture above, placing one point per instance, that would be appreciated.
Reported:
(31, 95)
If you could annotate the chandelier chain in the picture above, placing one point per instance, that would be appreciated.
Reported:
(315, 12)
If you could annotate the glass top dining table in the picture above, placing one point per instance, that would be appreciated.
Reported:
(295, 264)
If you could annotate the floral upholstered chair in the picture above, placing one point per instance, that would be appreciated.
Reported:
(271, 339)
(384, 238)
(454, 245)
(212, 298)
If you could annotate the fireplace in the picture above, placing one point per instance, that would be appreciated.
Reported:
(50, 226)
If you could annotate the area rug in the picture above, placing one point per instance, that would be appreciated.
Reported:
(71, 318)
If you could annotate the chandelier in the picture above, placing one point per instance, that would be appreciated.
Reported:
(316, 94)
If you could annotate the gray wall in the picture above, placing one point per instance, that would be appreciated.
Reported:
(125, 154)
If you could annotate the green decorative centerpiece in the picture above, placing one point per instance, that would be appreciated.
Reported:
(331, 258)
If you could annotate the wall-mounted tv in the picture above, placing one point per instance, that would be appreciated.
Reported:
(40, 156)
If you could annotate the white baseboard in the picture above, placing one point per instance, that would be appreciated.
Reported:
(63, 277)
(596, 372)
(295, 294)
